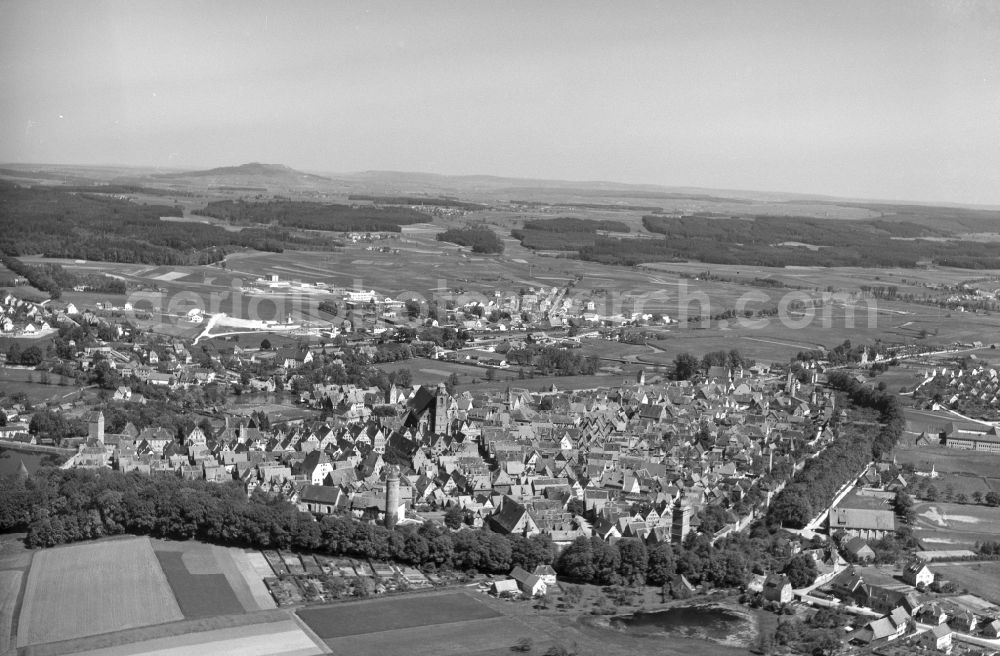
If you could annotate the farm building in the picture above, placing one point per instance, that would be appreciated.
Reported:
(506, 586)
(867, 523)
(529, 584)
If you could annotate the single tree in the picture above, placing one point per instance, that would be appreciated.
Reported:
(454, 517)
(801, 570)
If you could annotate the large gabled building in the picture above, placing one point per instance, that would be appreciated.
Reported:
(868, 523)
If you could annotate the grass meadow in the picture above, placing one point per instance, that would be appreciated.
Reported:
(980, 579)
(10, 588)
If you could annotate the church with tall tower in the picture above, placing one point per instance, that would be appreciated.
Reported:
(428, 410)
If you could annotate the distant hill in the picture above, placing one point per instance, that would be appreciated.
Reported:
(251, 170)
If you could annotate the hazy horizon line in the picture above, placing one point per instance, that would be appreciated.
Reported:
(797, 195)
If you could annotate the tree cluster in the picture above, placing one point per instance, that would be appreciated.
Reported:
(783, 241)
(99, 227)
(630, 561)
(480, 240)
(61, 506)
(564, 233)
(554, 361)
(417, 200)
(315, 216)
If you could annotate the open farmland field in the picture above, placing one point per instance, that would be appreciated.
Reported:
(419, 266)
(431, 372)
(939, 525)
(363, 618)
(94, 588)
(208, 580)
(10, 588)
(29, 382)
(945, 460)
(491, 635)
(949, 486)
(923, 280)
(271, 637)
(13, 553)
(545, 383)
(480, 637)
(980, 579)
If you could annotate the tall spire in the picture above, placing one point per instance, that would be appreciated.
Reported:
(22, 471)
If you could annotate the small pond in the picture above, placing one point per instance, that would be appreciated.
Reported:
(10, 461)
(696, 621)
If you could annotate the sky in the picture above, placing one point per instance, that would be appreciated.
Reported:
(856, 98)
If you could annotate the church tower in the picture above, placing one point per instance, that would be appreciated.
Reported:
(680, 525)
(95, 426)
(391, 496)
(441, 410)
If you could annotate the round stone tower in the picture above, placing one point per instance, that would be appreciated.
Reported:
(391, 496)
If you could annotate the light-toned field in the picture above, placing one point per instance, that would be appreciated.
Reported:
(94, 588)
(950, 525)
(10, 588)
(284, 638)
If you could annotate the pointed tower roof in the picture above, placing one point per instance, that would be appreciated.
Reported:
(22, 471)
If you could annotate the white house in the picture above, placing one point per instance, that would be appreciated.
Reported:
(918, 574)
(529, 584)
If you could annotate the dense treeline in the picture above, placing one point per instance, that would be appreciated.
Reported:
(572, 224)
(687, 365)
(553, 361)
(56, 223)
(765, 230)
(35, 276)
(60, 506)
(564, 233)
(315, 216)
(120, 189)
(418, 200)
(591, 206)
(886, 404)
(629, 561)
(52, 278)
(757, 241)
(480, 240)
(822, 476)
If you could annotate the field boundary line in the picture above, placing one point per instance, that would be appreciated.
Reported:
(309, 632)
